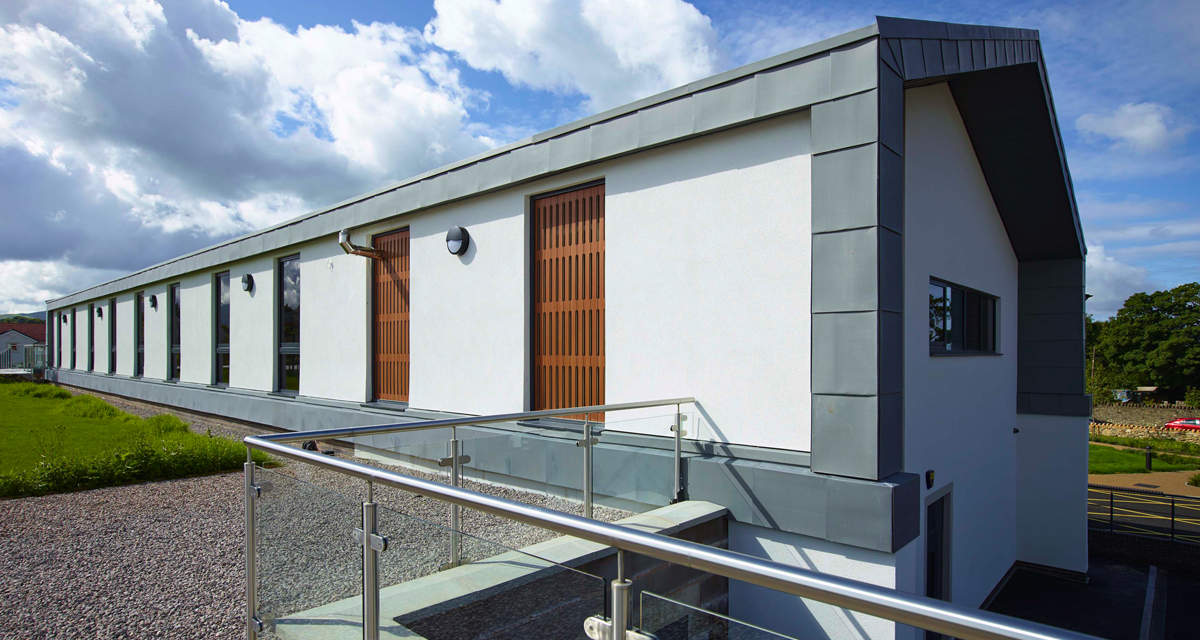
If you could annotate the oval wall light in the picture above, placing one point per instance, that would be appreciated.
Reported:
(64, 318)
(457, 240)
(99, 312)
(247, 282)
(154, 302)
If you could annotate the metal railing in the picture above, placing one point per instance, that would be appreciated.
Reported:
(1141, 512)
(897, 606)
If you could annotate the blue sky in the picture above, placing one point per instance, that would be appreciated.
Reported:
(135, 130)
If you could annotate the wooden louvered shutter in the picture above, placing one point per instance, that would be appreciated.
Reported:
(391, 279)
(568, 300)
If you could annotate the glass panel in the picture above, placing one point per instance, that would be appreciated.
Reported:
(545, 454)
(223, 368)
(309, 565)
(223, 309)
(289, 370)
(289, 300)
(500, 593)
(670, 620)
(650, 430)
(176, 318)
(937, 315)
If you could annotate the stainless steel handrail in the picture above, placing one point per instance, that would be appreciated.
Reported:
(917, 611)
(421, 425)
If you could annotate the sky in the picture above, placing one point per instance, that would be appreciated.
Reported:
(132, 131)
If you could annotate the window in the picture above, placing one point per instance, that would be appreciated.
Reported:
(289, 325)
(960, 320)
(174, 333)
(139, 335)
(221, 358)
(58, 318)
(91, 337)
(112, 335)
(71, 327)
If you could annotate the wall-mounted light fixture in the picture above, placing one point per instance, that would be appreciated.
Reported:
(64, 318)
(154, 302)
(100, 312)
(457, 240)
(247, 282)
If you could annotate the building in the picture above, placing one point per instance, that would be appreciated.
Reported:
(862, 257)
(14, 337)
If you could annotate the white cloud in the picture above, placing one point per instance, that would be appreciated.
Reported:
(1110, 281)
(1095, 206)
(26, 285)
(609, 51)
(1145, 127)
(1157, 231)
(140, 131)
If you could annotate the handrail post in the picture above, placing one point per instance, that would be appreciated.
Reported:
(678, 456)
(455, 513)
(370, 569)
(587, 466)
(253, 626)
(621, 588)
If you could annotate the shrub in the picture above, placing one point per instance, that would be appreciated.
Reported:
(85, 406)
(161, 447)
(1192, 397)
(34, 390)
(1194, 480)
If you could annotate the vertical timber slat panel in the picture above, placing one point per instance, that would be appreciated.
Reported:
(568, 305)
(391, 310)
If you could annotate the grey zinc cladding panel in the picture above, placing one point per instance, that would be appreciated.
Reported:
(852, 68)
(845, 274)
(570, 150)
(664, 122)
(847, 196)
(724, 105)
(845, 122)
(791, 86)
(845, 354)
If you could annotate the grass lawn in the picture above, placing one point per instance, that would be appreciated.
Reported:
(54, 442)
(1103, 459)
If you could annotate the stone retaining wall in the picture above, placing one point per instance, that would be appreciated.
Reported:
(1141, 431)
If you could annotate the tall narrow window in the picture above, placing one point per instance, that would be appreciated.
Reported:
(112, 335)
(139, 335)
(961, 320)
(91, 358)
(222, 325)
(289, 325)
(58, 323)
(73, 333)
(176, 354)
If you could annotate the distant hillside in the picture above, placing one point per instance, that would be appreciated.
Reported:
(36, 317)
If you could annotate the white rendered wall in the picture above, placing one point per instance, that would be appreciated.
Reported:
(708, 265)
(196, 329)
(334, 322)
(102, 336)
(252, 347)
(1052, 463)
(125, 336)
(468, 323)
(959, 412)
(156, 332)
(803, 618)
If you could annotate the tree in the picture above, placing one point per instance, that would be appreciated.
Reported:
(1154, 340)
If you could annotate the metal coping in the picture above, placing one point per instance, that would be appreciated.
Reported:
(913, 610)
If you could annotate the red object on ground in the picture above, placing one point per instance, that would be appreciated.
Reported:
(1192, 424)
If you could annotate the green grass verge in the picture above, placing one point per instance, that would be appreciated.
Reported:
(1155, 444)
(55, 442)
(1103, 459)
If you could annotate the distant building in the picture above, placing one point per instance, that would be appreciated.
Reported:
(862, 257)
(14, 337)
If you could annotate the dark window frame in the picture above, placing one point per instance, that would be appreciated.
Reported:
(91, 337)
(58, 348)
(221, 348)
(174, 329)
(974, 326)
(112, 336)
(286, 350)
(139, 334)
(74, 319)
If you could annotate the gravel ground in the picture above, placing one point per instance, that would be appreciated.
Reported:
(164, 559)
